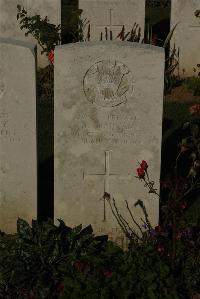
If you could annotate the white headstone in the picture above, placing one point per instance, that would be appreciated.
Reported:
(10, 26)
(18, 172)
(108, 116)
(113, 15)
(49, 8)
(186, 35)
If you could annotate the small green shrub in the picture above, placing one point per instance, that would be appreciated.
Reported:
(46, 261)
(47, 34)
(193, 84)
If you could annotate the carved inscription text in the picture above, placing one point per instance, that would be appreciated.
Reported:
(113, 128)
(6, 132)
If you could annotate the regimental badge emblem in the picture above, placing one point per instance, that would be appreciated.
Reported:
(108, 83)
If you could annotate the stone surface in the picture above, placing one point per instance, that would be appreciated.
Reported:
(10, 27)
(113, 15)
(49, 8)
(18, 173)
(108, 116)
(186, 35)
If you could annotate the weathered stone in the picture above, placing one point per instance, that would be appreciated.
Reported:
(10, 26)
(18, 172)
(113, 15)
(186, 36)
(108, 116)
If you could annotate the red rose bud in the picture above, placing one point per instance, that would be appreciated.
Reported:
(144, 165)
(79, 266)
(184, 147)
(183, 205)
(107, 274)
(158, 229)
(194, 109)
(140, 172)
(51, 56)
(178, 235)
(60, 287)
(160, 249)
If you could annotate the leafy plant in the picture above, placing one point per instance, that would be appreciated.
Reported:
(174, 226)
(73, 25)
(47, 34)
(193, 84)
(36, 259)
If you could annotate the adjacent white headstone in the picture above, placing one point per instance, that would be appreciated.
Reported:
(108, 116)
(49, 8)
(113, 15)
(186, 35)
(10, 27)
(18, 172)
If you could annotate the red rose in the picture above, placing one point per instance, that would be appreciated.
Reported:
(160, 249)
(183, 205)
(79, 266)
(195, 109)
(144, 165)
(60, 287)
(179, 235)
(51, 56)
(107, 274)
(184, 147)
(158, 229)
(140, 172)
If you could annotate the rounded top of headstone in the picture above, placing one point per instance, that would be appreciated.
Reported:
(108, 44)
(108, 83)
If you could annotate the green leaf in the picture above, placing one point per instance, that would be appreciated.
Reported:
(87, 230)
(194, 130)
(77, 229)
(19, 7)
(193, 156)
(198, 148)
(169, 36)
(186, 125)
(24, 229)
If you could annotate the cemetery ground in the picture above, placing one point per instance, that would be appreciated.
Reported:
(49, 261)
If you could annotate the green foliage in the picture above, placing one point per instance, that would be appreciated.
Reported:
(38, 258)
(72, 23)
(193, 84)
(46, 261)
(47, 34)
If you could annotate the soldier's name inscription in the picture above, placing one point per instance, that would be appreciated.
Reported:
(109, 128)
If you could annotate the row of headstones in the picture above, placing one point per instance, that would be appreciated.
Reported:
(113, 14)
(107, 117)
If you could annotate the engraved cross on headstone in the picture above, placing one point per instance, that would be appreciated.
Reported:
(110, 25)
(106, 175)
